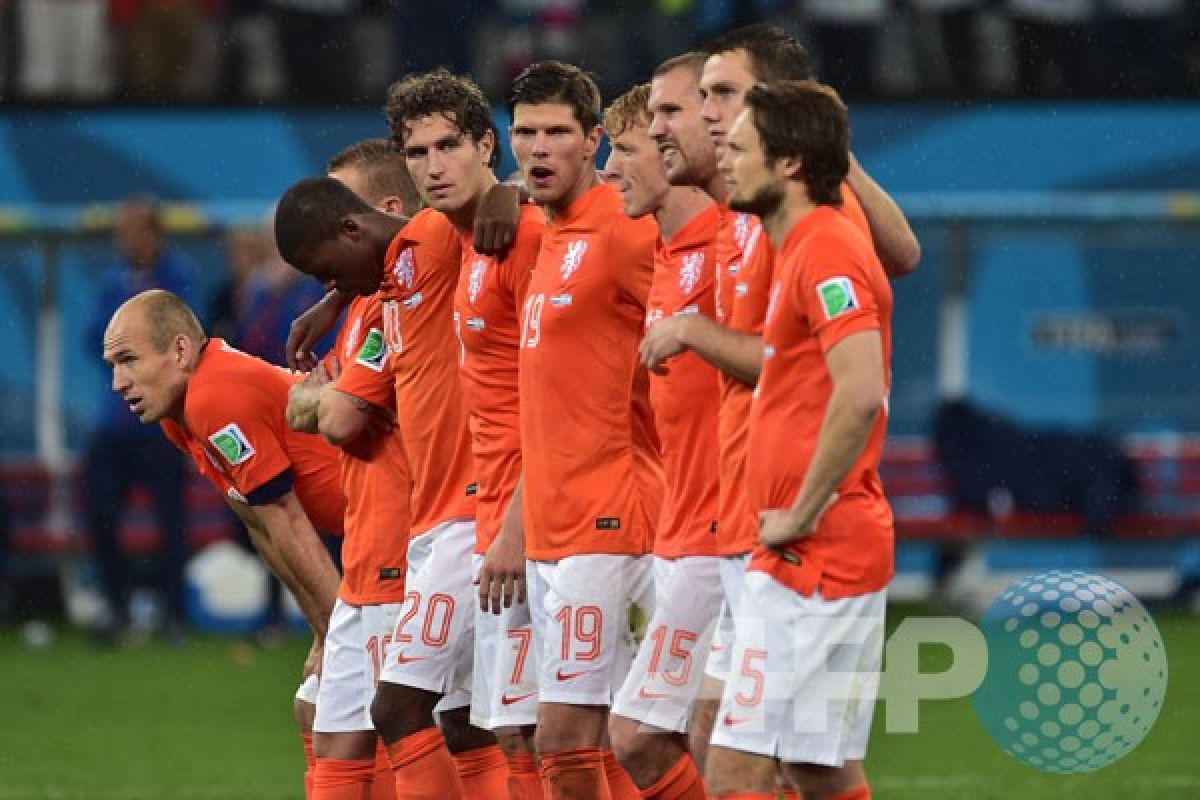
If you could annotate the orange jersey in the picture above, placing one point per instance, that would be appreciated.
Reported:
(686, 399)
(375, 475)
(420, 273)
(235, 431)
(593, 481)
(830, 286)
(487, 308)
(745, 272)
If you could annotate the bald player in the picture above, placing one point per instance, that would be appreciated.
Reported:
(592, 475)
(225, 409)
(650, 716)
(350, 399)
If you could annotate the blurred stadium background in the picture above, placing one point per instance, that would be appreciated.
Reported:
(1046, 349)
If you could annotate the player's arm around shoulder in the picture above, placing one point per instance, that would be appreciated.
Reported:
(897, 246)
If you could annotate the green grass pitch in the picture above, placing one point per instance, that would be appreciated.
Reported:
(213, 720)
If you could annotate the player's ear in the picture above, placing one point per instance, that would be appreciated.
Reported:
(793, 167)
(349, 227)
(392, 206)
(592, 143)
(487, 146)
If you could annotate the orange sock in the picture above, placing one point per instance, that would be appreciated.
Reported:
(483, 772)
(575, 775)
(747, 796)
(788, 794)
(310, 763)
(619, 782)
(682, 782)
(857, 793)
(524, 783)
(335, 779)
(424, 767)
(384, 785)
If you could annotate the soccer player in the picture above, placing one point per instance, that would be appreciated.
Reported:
(225, 409)
(817, 581)
(325, 230)
(345, 399)
(650, 715)
(444, 124)
(690, 93)
(592, 478)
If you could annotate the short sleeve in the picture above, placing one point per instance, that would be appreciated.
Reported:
(242, 433)
(630, 252)
(834, 291)
(517, 266)
(366, 374)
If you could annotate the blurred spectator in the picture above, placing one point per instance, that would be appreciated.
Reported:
(64, 49)
(1055, 47)
(275, 294)
(947, 50)
(1144, 52)
(315, 35)
(122, 451)
(245, 250)
(846, 37)
(159, 40)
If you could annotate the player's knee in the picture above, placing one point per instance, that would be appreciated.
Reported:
(304, 713)
(562, 727)
(514, 742)
(818, 782)
(627, 745)
(398, 711)
(732, 772)
(460, 734)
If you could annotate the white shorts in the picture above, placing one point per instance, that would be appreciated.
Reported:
(350, 668)
(667, 672)
(307, 693)
(733, 577)
(807, 675)
(580, 607)
(504, 685)
(433, 641)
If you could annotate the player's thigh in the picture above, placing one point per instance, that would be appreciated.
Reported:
(668, 671)
(733, 573)
(579, 607)
(504, 679)
(431, 644)
(347, 674)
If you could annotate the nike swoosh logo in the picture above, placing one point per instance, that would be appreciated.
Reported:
(732, 721)
(642, 693)
(566, 676)
(403, 659)
(508, 701)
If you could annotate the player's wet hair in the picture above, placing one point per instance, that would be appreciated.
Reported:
(556, 82)
(774, 54)
(693, 60)
(628, 110)
(441, 92)
(309, 213)
(168, 316)
(805, 120)
(386, 171)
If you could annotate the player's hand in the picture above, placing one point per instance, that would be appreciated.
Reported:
(496, 219)
(320, 375)
(312, 664)
(380, 422)
(502, 576)
(781, 527)
(663, 341)
(308, 328)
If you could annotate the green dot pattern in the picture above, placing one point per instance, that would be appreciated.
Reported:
(1077, 672)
